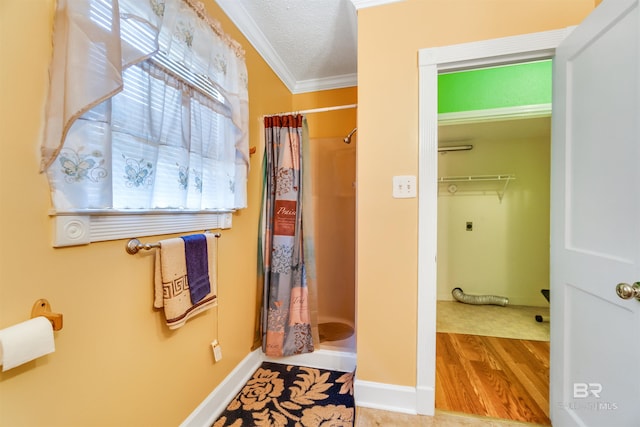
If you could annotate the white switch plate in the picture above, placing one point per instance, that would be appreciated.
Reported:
(404, 186)
(217, 350)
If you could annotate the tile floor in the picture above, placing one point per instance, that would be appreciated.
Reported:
(512, 321)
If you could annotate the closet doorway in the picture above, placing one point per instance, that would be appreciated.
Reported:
(493, 239)
(432, 62)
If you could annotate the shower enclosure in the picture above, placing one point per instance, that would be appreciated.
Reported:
(333, 163)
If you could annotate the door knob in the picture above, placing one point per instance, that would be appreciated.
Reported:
(627, 291)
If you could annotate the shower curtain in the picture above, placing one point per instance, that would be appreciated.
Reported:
(286, 274)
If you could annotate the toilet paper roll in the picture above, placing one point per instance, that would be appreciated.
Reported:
(25, 341)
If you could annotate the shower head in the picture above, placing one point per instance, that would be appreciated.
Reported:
(347, 139)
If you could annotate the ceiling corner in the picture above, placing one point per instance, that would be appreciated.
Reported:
(250, 29)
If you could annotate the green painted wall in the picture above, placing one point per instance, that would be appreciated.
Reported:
(496, 87)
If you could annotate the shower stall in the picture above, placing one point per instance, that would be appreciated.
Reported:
(329, 178)
(333, 162)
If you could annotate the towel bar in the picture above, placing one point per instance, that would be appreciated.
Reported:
(134, 245)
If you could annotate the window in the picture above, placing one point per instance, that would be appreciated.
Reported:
(146, 128)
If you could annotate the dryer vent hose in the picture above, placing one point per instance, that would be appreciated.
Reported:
(479, 299)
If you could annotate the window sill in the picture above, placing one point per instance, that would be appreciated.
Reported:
(82, 228)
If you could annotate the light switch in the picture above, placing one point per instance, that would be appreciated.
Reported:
(404, 186)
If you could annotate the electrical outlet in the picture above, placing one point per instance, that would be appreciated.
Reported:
(404, 187)
(217, 350)
(469, 226)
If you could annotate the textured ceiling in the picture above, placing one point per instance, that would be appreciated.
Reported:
(310, 44)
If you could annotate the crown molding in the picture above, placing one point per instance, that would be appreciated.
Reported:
(241, 18)
(250, 29)
(334, 82)
(361, 4)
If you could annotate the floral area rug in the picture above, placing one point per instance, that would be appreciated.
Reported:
(285, 395)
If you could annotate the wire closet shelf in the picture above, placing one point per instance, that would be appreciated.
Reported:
(477, 184)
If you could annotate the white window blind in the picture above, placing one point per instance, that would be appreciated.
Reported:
(169, 141)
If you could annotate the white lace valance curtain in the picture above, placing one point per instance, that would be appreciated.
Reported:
(147, 108)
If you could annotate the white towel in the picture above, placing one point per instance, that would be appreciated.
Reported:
(171, 284)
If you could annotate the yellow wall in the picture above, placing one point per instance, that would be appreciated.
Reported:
(389, 38)
(330, 123)
(115, 363)
(507, 252)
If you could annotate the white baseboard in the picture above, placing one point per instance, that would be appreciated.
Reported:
(211, 407)
(214, 404)
(321, 359)
(387, 397)
(426, 399)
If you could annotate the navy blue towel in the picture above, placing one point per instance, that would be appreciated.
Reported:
(197, 258)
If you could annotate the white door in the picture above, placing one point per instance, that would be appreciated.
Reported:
(595, 221)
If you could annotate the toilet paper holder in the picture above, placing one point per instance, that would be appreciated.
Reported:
(42, 308)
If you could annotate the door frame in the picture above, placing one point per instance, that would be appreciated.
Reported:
(431, 61)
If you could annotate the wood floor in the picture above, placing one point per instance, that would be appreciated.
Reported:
(495, 377)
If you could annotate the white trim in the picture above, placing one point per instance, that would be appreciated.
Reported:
(361, 4)
(387, 397)
(78, 229)
(427, 236)
(326, 83)
(210, 408)
(515, 49)
(216, 402)
(424, 396)
(495, 114)
(321, 359)
(250, 29)
(485, 53)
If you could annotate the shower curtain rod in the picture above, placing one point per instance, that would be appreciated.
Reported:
(319, 110)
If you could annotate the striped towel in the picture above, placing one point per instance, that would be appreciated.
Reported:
(172, 285)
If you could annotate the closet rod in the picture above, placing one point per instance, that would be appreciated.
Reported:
(317, 110)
